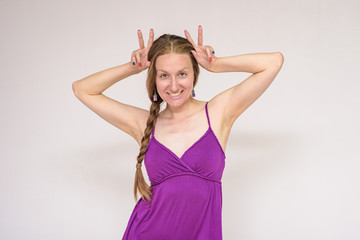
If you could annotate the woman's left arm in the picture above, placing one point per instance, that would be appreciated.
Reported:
(233, 101)
(264, 66)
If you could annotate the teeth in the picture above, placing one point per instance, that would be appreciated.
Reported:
(174, 94)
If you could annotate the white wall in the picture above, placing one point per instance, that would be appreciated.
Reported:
(292, 158)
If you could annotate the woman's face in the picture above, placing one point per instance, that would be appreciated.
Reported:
(174, 78)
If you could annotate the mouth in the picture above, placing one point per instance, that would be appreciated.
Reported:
(175, 95)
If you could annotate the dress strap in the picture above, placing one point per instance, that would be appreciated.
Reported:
(207, 114)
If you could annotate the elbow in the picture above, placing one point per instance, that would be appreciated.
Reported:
(279, 59)
(75, 88)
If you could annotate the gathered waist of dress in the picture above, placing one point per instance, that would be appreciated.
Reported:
(184, 173)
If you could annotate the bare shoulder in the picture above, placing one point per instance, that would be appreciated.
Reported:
(217, 106)
(219, 123)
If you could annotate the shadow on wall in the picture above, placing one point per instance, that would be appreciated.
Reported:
(112, 165)
(260, 153)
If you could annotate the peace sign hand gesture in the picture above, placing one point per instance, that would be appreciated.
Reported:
(139, 57)
(204, 55)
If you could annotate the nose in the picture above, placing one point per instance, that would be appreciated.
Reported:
(174, 86)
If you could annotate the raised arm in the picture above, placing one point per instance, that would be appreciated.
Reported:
(264, 66)
(88, 90)
(228, 105)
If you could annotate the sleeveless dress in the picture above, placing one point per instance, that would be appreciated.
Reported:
(187, 194)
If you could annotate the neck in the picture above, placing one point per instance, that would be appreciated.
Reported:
(181, 112)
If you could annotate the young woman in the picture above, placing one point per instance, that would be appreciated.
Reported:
(183, 145)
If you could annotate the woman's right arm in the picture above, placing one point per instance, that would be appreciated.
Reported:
(89, 91)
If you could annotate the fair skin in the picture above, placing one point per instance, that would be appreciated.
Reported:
(184, 117)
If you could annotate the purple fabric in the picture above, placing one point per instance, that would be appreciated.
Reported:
(187, 194)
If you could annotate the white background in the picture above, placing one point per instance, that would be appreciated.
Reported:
(292, 166)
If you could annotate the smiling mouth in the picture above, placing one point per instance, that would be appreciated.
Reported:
(175, 94)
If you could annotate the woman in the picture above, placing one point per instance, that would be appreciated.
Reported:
(183, 145)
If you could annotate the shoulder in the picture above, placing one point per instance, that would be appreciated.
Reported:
(220, 124)
(216, 106)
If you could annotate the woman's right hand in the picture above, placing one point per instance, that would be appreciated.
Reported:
(139, 58)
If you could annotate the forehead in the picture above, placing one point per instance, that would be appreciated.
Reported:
(173, 62)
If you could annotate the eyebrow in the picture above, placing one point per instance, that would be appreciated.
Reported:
(184, 69)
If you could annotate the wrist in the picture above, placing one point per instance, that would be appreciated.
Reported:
(132, 69)
(216, 66)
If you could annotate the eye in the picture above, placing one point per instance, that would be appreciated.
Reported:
(182, 74)
(164, 75)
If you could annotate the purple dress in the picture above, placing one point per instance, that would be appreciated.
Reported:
(187, 194)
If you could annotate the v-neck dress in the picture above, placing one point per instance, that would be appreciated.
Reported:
(187, 193)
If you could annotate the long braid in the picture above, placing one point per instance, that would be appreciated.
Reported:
(140, 185)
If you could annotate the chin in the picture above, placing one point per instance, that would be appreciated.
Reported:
(178, 100)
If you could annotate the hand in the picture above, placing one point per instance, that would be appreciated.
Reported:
(204, 55)
(139, 58)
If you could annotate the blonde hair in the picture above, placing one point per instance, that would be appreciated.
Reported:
(163, 45)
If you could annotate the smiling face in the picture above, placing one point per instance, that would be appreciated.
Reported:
(174, 78)
(173, 70)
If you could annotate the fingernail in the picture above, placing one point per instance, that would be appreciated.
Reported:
(140, 65)
(210, 59)
(133, 63)
(213, 52)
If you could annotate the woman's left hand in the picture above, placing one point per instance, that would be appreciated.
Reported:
(204, 55)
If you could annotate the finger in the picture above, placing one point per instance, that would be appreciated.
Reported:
(195, 54)
(133, 59)
(200, 36)
(138, 59)
(151, 38)
(141, 39)
(188, 37)
(208, 52)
